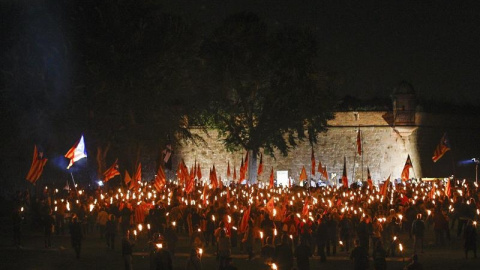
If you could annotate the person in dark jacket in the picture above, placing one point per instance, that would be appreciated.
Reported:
(111, 231)
(303, 254)
(359, 256)
(379, 255)
(321, 238)
(76, 235)
(283, 254)
(418, 231)
(470, 236)
(127, 250)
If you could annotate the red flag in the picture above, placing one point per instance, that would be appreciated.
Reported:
(228, 170)
(190, 182)
(138, 173)
(325, 173)
(271, 179)
(220, 183)
(303, 174)
(260, 166)
(234, 173)
(199, 172)
(406, 169)
(160, 179)
(128, 178)
(111, 172)
(213, 178)
(359, 142)
(344, 175)
(448, 189)
(36, 168)
(205, 194)
(77, 152)
(312, 158)
(432, 191)
(305, 207)
(442, 148)
(245, 218)
(242, 171)
(270, 205)
(369, 179)
(384, 190)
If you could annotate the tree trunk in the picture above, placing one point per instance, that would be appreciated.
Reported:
(252, 166)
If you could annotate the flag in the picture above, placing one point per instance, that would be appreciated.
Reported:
(260, 166)
(234, 173)
(190, 181)
(384, 190)
(160, 179)
(244, 221)
(138, 173)
(305, 207)
(344, 175)
(312, 158)
(111, 172)
(325, 173)
(128, 178)
(242, 171)
(442, 148)
(369, 179)
(271, 179)
(359, 142)
(228, 170)
(406, 169)
(77, 152)
(213, 178)
(205, 194)
(246, 162)
(270, 205)
(303, 174)
(448, 189)
(199, 172)
(36, 168)
(432, 191)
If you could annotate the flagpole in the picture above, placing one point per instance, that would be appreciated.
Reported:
(73, 180)
(361, 143)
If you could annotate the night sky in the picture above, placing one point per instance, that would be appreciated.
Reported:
(374, 46)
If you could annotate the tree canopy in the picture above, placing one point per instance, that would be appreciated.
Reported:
(267, 90)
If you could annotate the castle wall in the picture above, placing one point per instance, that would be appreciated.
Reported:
(384, 150)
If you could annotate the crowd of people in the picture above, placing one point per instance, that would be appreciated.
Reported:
(285, 226)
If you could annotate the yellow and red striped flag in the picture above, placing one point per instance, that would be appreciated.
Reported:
(442, 148)
(344, 175)
(111, 172)
(36, 168)
(406, 169)
(128, 178)
(160, 179)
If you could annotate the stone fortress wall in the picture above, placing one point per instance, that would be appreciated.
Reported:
(385, 149)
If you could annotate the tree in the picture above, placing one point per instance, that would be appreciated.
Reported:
(267, 90)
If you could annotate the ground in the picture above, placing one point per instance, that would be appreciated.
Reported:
(96, 255)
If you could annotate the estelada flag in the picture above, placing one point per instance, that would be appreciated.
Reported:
(312, 158)
(359, 142)
(406, 169)
(111, 172)
(442, 148)
(384, 190)
(36, 168)
(77, 152)
(344, 175)
(271, 179)
(160, 179)
(303, 174)
(369, 179)
(260, 166)
(128, 178)
(138, 173)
